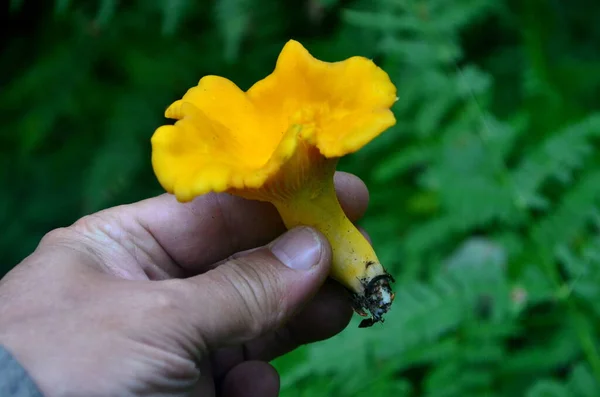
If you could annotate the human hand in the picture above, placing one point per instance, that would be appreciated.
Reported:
(160, 298)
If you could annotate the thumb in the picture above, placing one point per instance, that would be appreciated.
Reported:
(256, 291)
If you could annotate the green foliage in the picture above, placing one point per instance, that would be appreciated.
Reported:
(484, 197)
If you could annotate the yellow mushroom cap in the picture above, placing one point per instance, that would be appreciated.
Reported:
(227, 139)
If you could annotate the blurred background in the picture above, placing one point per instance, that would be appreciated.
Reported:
(485, 195)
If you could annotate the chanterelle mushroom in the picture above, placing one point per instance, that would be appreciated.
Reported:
(280, 142)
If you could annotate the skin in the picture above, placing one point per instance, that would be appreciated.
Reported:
(160, 298)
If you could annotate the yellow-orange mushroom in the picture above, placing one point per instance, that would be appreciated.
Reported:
(280, 142)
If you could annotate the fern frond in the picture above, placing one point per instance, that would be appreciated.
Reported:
(582, 383)
(548, 388)
(233, 18)
(173, 12)
(106, 11)
(569, 218)
(557, 157)
(396, 163)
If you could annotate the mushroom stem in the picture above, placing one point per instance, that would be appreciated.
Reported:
(304, 194)
(355, 264)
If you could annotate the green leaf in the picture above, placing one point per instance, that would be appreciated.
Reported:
(233, 18)
(548, 388)
(173, 13)
(582, 382)
(106, 11)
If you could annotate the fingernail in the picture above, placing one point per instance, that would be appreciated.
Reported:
(298, 249)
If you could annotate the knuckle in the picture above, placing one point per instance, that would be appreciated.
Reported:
(57, 237)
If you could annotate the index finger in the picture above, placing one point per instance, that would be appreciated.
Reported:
(215, 226)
